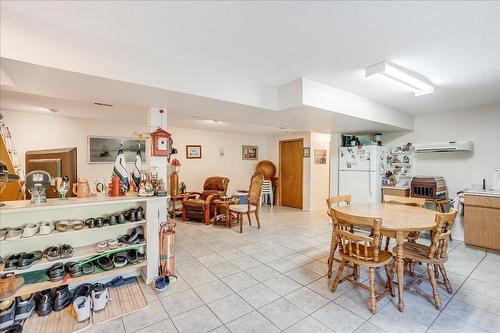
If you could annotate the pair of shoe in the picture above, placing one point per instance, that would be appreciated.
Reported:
(115, 260)
(10, 233)
(89, 297)
(162, 282)
(107, 245)
(135, 236)
(22, 260)
(57, 301)
(53, 253)
(16, 309)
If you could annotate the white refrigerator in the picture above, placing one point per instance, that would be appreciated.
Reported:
(361, 171)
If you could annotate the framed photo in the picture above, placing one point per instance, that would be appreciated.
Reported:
(307, 152)
(249, 152)
(193, 151)
(103, 149)
(320, 156)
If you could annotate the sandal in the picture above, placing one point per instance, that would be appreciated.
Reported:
(120, 259)
(88, 268)
(51, 253)
(74, 269)
(65, 251)
(56, 272)
(102, 246)
(76, 225)
(63, 226)
(105, 263)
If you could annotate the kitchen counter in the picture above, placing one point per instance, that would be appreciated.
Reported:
(482, 219)
(487, 193)
(397, 187)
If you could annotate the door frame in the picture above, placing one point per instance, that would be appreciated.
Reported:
(301, 140)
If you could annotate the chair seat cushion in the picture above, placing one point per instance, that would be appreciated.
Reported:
(195, 204)
(417, 252)
(384, 257)
(243, 208)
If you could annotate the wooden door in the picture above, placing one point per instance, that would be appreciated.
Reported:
(291, 172)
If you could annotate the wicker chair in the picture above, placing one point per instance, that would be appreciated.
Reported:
(253, 205)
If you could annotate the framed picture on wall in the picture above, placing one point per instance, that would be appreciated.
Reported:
(307, 152)
(319, 156)
(249, 152)
(193, 151)
(103, 149)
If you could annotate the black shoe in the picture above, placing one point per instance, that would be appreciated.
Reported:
(16, 328)
(25, 306)
(45, 302)
(132, 256)
(62, 298)
(7, 313)
(82, 290)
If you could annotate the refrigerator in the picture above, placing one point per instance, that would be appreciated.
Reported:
(361, 171)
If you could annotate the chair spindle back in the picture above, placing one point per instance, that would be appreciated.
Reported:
(440, 236)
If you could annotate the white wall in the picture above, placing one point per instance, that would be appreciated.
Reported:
(320, 173)
(194, 171)
(32, 131)
(461, 170)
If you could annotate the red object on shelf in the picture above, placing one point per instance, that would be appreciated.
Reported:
(115, 187)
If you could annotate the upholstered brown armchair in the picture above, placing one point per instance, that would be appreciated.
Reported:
(201, 208)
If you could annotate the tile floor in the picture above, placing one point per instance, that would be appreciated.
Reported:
(274, 280)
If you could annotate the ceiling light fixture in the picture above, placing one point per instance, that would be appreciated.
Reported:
(392, 72)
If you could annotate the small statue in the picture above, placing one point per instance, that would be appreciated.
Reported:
(183, 188)
(62, 186)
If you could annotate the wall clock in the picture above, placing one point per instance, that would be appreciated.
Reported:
(161, 142)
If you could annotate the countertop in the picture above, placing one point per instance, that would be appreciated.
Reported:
(486, 193)
(397, 187)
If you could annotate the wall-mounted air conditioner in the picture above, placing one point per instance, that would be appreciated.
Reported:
(443, 147)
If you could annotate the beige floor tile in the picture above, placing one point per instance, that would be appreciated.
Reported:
(165, 326)
(245, 262)
(306, 299)
(391, 320)
(262, 272)
(230, 308)
(282, 284)
(473, 315)
(224, 269)
(199, 320)
(303, 275)
(113, 326)
(213, 291)
(258, 295)
(252, 322)
(282, 313)
(282, 265)
(181, 302)
(338, 318)
(149, 316)
(450, 324)
(308, 325)
(239, 281)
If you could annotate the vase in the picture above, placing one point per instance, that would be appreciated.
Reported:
(174, 184)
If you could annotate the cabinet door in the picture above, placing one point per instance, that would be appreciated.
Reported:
(481, 224)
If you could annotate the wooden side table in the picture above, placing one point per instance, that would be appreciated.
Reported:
(221, 210)
(173, 200)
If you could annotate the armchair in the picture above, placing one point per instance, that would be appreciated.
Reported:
(201, 208)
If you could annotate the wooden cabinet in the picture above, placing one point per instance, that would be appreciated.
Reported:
(397, 191)
(482, 221)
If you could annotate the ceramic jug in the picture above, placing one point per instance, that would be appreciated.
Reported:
(82, 188)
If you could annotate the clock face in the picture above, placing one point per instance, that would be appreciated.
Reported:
(162, 144)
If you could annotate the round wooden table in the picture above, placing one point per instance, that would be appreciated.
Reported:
(400, 219)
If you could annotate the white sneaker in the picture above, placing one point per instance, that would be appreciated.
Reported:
(82, 307)
(100, 298)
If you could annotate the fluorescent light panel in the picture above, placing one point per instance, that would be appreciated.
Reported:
(418, 86)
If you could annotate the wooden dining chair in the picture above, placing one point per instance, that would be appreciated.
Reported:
(361, 250)
(408, 201)
(332, 202)
(253, 205)
(434, 255)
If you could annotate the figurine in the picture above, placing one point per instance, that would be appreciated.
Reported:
(62, 186)
(183, 188)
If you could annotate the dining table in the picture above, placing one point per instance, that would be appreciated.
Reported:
(400, 219)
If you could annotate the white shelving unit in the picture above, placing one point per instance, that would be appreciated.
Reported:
(18, 213)
(401, 165)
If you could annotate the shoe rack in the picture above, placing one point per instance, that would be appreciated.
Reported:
(9, 156)
(84, 241)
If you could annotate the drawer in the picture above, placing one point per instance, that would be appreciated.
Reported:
(482, 201)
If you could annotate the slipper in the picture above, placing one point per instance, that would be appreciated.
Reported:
(30, 229)
(76, 225)
(46, 228)
(63, 226)
(102, 246)
(88, 268)
(161, 283)
(120, 281)
(52, 253)
(120, 259)
(15, 233)
(65, 251)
